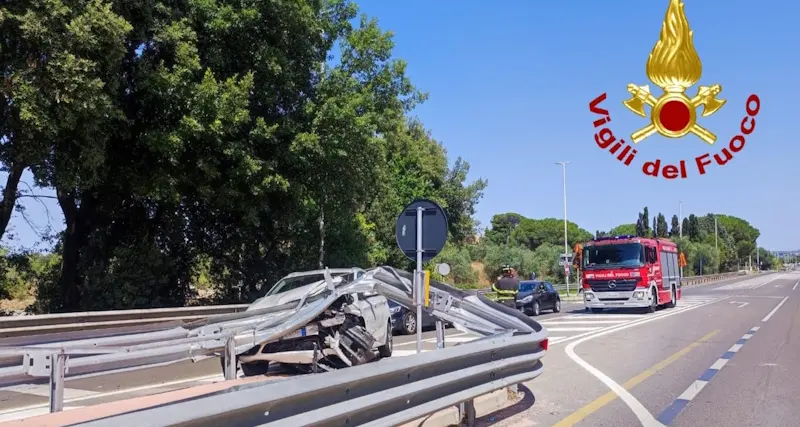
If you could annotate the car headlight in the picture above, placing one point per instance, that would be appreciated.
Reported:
(394, 310)
(527, 299)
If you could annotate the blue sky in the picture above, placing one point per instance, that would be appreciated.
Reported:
(510, 83)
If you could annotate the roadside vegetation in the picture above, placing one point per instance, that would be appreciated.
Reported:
(199, 151)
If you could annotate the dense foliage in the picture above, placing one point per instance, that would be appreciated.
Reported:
(210, 142)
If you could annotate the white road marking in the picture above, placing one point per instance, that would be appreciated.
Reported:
(575, 329)
(768, 316)
(446, 338)
(693, 390)
(644, 416)
(14, 413)
(719, 363)
(741, 304)
(593, 322)
(44, 390)
(747, 336)
(734, 348)
(795, 285)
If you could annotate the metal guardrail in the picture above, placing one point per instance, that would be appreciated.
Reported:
(389, 392)
(54, 357)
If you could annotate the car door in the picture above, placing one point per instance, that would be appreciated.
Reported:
(375, 311)
(541, 295)
(552, 295)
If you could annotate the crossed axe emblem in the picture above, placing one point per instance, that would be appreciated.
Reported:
(681, 106)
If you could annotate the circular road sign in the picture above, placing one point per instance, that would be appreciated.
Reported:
(434, 229)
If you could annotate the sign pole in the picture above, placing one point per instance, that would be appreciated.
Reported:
(419, 280)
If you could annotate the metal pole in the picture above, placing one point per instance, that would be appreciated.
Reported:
(58, 368)
(439, 334)
(420, 281)
(758, 259)
(716, 235)
(566, 244)
(230, 359)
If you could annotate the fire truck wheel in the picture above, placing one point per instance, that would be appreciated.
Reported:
(653, 302)
(674, 301)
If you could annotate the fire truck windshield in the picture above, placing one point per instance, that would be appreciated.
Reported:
(607, 256)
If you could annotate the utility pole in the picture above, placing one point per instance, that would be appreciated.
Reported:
(680, 218)
(716, 235)
(566, 244)
(758, 260)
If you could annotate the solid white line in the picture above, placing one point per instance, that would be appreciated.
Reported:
(767, 282)
(734, 348)
(576, 322)
(719, 364)
(574, 329)
(608, 316)
(118, 392)
(795, 285)
(644, 416)
(747, 336)
(768, 316)
(414, 341)
(44, 390)
(693, 390)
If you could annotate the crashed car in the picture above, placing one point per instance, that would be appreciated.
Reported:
(348, 332)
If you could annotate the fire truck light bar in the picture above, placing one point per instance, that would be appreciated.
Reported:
(615, 237)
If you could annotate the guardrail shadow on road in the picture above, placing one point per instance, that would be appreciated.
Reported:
(522, 405)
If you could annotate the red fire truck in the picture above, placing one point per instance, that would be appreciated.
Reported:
(630, 272)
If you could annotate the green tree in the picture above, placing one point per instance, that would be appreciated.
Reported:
(502, 225)
(675, 226)
(624, 230)
(535, 232)
(662, 229)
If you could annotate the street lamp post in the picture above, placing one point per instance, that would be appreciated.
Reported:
(566, 244)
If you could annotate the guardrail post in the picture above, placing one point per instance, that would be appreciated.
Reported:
(58, 368)
(439, 334)
(467, 412)
(229, 358)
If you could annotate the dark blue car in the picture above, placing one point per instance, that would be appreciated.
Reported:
(404, 321)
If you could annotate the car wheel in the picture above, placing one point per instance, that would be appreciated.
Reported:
(409, 325)
(557, 306)
(536, 308)
(386, 349)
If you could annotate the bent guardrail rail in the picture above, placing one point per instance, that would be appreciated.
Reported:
(98, 352)
(386, 393)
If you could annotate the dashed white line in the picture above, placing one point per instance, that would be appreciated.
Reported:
(734, 348)
(693, 390)
(719, 364)
(768, 316)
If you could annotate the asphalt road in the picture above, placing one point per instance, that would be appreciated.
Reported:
(606, 369)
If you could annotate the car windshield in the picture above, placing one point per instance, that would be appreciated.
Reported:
(623, 254)
(289, 283)
(527, 286)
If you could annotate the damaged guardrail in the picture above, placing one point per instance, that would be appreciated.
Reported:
(98, 352)
(386, 393)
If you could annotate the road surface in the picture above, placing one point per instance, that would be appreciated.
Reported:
(723, 357)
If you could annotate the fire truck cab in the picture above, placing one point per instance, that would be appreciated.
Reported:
(623, 272)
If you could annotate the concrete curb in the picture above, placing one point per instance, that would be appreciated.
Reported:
(448, 417)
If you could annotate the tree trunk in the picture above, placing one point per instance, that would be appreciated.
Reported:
(75, 235)
(322, 238)
(10, 196)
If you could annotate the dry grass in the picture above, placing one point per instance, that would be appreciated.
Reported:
(15, 304)
(483, 280)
